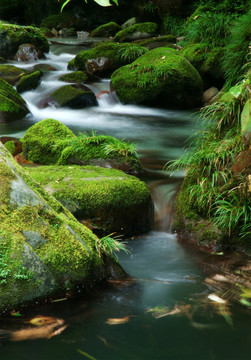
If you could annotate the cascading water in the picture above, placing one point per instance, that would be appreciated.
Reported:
(163, 312)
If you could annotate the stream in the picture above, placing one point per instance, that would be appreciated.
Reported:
(163, 311)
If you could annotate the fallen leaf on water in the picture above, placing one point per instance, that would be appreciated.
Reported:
(86, 354)
(216, 298)
(103, 339)
(118, 321)
(161, 311)
(45, 320)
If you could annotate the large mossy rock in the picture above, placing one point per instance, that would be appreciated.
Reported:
(44, 250)
(75, 96)
(44, 141)
(12, 36)
(161, 77)
(207, 61)
(106, 30)
(103, 59)
(12, 105)
(51, 142)
(107, 199)
(136, 32)
(21, 78)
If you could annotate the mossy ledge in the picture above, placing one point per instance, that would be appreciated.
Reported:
(107, 199)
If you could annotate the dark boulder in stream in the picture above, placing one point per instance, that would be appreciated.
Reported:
(44, 250)
(75, 96)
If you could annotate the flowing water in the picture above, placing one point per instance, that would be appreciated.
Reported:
(163, 311)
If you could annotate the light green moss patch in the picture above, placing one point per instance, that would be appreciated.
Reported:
(77, 77)
(146, 29)
(44, 141)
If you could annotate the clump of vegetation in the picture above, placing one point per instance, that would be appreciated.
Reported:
(130, 53)
(173, 25)
(214, 189)
(237, 55)
(110, 244)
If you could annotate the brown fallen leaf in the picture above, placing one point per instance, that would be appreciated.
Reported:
(45, 320)
(118, 321)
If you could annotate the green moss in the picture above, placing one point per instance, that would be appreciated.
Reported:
(108, 51)
(44, 141)
(43, 249)
(77, 77)
(12, 105)
(159, 77)
(6, 176)
(160, 39)
(10, 145)
(29, 81)
(106, 30)
(11, 73)
(148, 29)
(12, 36)
(74, 96)
(107, 197)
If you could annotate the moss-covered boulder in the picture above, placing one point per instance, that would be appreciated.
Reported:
(75, 96)
(106, 30)
(29, 81)
(11, 73)
(107, 199)
(44, 141)
(103, 59)
(12, 36)
(44, 250)
(51, 142)
(77, 77)
(161, 77)
(207, 61)
(63, 20)
(137, 31)
(12, 105)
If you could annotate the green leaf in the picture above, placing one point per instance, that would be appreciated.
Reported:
(236, 90)
(246, 123)
(64, 4)
(103, 2)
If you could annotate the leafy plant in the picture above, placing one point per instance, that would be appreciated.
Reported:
(119, 147)
(128, 54)
(173, 25)
(110, 244)
(237, 55)
(208, 27)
